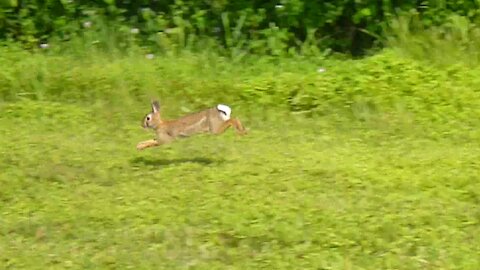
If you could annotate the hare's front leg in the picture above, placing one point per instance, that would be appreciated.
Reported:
(147, 144)
(162, 138)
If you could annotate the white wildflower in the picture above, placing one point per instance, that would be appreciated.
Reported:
(87, 24)
(321, 70)
(44, 45)
(279, 6)
(134, 31)
(149, 56)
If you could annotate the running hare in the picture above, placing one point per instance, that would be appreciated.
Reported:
(214, 120)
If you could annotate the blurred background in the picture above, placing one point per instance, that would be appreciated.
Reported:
(362, 153)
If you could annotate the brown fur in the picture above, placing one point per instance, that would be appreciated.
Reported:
(206, 121)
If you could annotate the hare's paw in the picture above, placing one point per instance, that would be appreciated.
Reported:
(146, 144)
(140, 146)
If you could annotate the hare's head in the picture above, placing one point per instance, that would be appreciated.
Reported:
(152, 119)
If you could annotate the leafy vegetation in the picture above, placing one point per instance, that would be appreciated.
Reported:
(262, 27)
(366, 163)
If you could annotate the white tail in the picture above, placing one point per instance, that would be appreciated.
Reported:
(225, 111)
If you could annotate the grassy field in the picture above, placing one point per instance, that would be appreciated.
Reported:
(296, 193)
(348, 164)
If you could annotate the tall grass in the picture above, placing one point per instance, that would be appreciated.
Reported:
(455, 42)
(107, 65)
(383, 86)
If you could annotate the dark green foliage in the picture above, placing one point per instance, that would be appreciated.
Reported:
(272, 27)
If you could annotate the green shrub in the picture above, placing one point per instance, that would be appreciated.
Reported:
(265, 27)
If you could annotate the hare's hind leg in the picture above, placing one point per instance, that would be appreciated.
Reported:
(231, 122)
(238, 126)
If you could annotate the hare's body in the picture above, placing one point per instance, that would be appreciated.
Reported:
(213, 120)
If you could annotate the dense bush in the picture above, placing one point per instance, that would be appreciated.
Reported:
(272, 27)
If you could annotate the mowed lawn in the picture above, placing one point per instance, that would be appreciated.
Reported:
(295, 193)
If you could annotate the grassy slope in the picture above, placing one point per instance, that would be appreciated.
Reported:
(295, 193)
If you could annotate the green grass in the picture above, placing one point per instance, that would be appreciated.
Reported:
(371, 164)
(296, 193)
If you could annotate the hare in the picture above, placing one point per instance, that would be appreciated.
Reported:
(213, 120)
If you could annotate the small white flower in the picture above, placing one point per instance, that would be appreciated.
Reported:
(90, 12)
(149, 56)
(279, 6)
(134, 31)
(321, 70)
(44, 45)
(87, 24)
(273, 26)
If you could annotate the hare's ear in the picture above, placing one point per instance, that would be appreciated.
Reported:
(155, 106)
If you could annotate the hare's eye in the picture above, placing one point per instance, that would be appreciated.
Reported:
(148, 118)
